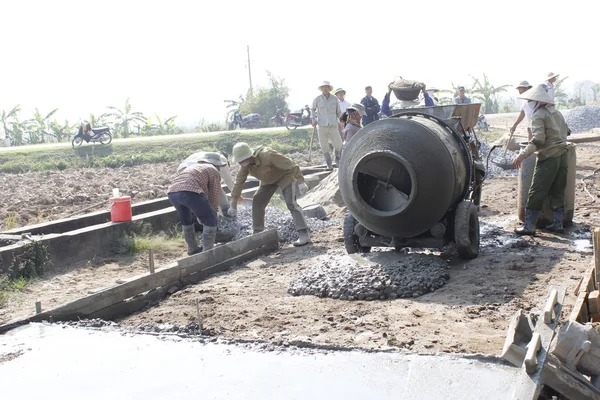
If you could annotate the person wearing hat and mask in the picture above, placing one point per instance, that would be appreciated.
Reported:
(326, 112)
(549, 84)
(195, 191)
(526, 109)
(275, 171)
(354, 115)
(462, 98)
(549, 139)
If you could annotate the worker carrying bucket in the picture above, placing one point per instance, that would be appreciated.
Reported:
(275, 171)
(549, 139)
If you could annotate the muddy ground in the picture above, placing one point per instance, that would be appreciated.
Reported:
(469, 314)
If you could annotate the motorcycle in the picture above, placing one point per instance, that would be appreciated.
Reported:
(250, 121)
(278, 119)
(482, 124)
(299, 118)
(91, 135)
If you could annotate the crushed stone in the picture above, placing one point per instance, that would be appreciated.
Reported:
(583, 119)
(373, 276)
(492, 170)
(274, 218)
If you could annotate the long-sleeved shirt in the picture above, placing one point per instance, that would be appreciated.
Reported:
(326, 111)
(372, 109)
(550, 88)
(199, 178)
(344, 106)
(463, 100)
(385, 105)
(549, 134)
(270, 168)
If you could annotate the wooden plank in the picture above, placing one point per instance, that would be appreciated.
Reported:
(579, 311)
(596, 240)
(217, 255)
(107, 297)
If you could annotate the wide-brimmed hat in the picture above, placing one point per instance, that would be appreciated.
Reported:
(551, 75)
(325, 83)
(216, 159)
(358, 107)
(339, 90)
(241, 151)
(524, 84)
(537, 93)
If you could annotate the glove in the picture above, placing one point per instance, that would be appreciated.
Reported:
(232, 212)
(303, 188)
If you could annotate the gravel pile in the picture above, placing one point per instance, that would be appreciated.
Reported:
(375, 276)
(274, 218)
(492, 169)
(582, 119)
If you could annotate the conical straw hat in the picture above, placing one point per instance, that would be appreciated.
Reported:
(537, 93)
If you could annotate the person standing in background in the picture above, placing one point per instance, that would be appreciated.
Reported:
(526, 110)
(372, 107)
(326, 113)
(549, 84)
(462, 98)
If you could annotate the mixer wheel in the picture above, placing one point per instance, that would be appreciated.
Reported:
(466, 230)
(351, 241)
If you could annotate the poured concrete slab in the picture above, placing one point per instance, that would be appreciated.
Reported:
(53, 362)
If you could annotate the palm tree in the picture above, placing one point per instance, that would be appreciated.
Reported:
(123, 118)
(487, 94)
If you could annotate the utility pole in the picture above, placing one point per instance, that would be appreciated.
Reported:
(249, 71)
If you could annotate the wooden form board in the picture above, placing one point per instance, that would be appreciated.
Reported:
(187, 270)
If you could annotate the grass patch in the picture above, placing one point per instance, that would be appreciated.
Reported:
(138, 152)
(9, 286)
(130, 245)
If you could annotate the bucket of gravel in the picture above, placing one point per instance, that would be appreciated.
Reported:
(375, 276)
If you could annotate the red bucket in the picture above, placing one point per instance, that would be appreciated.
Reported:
(120, 209)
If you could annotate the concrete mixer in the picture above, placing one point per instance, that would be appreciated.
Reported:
(414, 180)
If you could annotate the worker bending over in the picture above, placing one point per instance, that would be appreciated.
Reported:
(274, 171)
(549, 139)
(196, 191)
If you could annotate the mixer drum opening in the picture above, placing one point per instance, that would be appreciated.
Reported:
(384, 182)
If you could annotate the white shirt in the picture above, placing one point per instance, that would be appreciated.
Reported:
(344, 105)
(550, 88)
(527, 108)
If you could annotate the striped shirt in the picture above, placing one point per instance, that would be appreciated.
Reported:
(199, 178)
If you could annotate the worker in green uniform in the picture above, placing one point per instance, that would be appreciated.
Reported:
(549, 140)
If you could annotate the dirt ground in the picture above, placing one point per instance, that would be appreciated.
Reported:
(469, 314)
(35, 197)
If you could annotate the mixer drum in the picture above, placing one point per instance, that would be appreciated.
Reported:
(400, 176)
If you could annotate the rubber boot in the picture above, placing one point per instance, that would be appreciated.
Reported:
(303, 238)
(530, 223)
(327, 156)
(189, 235)
(557, 224)
(338, 155)
(208, 237)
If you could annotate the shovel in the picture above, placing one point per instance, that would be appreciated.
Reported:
(312, 138)
(503, 163)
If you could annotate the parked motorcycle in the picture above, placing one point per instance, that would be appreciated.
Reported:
(482, 124)
(278, 119)
(91, 135)
(299, 118)
(250, 121)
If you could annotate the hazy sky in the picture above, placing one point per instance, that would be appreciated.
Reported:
(185, 57)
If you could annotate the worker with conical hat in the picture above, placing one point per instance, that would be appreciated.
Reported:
(275, 171)
(549, 140)
(526, 108)
(549, 84)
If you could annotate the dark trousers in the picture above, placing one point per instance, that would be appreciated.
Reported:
(549, 181)
(189, 204)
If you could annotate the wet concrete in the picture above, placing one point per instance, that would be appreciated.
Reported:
(55, 362)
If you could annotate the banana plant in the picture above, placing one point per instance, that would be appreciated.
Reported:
(487, 94)
(39, 126)
(124, 118)
(166, 127)
(7, 118)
